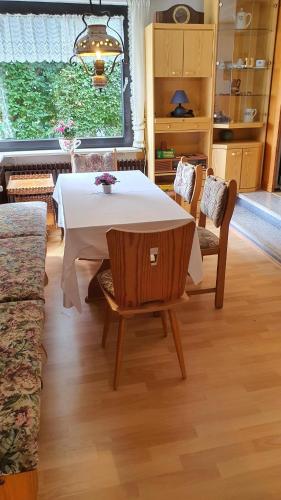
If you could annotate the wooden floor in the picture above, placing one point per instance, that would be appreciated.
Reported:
(215, 436)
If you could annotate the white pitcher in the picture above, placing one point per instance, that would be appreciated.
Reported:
(249, 114)
(243, 19)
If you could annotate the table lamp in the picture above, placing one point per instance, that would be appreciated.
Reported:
(179, 98)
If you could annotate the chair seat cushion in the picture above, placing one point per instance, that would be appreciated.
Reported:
(21, 325)
(22, 268)
(23, 219)
(106, 281)
(207, 239)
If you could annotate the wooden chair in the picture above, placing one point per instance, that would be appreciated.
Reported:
(187, 185)
(94, 162)
(148, 274)
(217, 204)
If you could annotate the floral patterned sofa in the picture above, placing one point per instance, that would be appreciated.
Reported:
(22, 272)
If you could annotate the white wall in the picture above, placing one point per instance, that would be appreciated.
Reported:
(157, 5)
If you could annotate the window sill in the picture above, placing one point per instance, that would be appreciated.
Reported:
(60, 153)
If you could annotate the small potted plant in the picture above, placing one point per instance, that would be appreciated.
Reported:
(67, 130)
(106, 180)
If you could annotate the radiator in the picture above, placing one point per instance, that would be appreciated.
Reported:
(55, 169)
(132, 165)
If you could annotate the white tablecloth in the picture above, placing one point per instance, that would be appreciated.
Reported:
(86, 213)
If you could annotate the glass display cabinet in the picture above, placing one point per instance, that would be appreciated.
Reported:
(246, 33)
(245, 46)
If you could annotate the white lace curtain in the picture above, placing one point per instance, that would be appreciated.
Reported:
(138, 19)
(37, 38)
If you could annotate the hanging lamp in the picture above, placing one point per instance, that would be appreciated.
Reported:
(95, 42)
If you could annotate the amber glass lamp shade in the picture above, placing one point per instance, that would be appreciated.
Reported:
(97, 42)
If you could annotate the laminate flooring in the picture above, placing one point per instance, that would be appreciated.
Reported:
(214, 436)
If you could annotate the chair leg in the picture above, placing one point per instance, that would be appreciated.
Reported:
(164, 322)
(106, 326)
(220, 280)
(177, 340)
(119, 351)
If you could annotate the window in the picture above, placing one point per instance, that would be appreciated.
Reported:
(36, 93)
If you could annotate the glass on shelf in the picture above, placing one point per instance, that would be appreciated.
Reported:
(241, 108)
(245, 16)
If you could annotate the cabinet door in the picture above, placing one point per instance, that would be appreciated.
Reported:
(227, 163)
(198, 53)
(233, 165)
(250, 172)
(168, 52)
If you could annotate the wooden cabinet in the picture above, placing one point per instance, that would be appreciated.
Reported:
(178, 57)
(168, 52)
(183, 53)
(241, 162)
(198, 53)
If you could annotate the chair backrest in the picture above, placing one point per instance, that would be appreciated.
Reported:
(94, 162)
(187, 185)
(149, 267)
(218, 201)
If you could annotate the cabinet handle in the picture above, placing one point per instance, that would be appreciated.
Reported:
(233, 154)
(173, 72)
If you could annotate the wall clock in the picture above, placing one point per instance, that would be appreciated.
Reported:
(180, 14)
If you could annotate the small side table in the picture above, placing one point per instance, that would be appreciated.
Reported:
(33, 187)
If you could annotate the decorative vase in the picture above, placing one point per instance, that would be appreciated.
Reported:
(107, 188)
(226, 135)
(69, 145)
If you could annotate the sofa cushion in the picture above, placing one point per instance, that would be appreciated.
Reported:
(21, 325)
(23, 219)
(22, 268)
(207, 239)
(214, 199)
(185, 181)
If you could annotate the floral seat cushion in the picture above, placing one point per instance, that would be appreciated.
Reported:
(105, 279)
(21, 325)
(207, 239)
(23, 219)
(94, 162)
(22, 268)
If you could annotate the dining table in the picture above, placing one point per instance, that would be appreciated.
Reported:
(86, 213)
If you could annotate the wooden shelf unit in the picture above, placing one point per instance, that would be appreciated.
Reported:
(232, 125)
(179, 57)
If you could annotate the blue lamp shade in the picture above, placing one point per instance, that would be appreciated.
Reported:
(179, 97)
